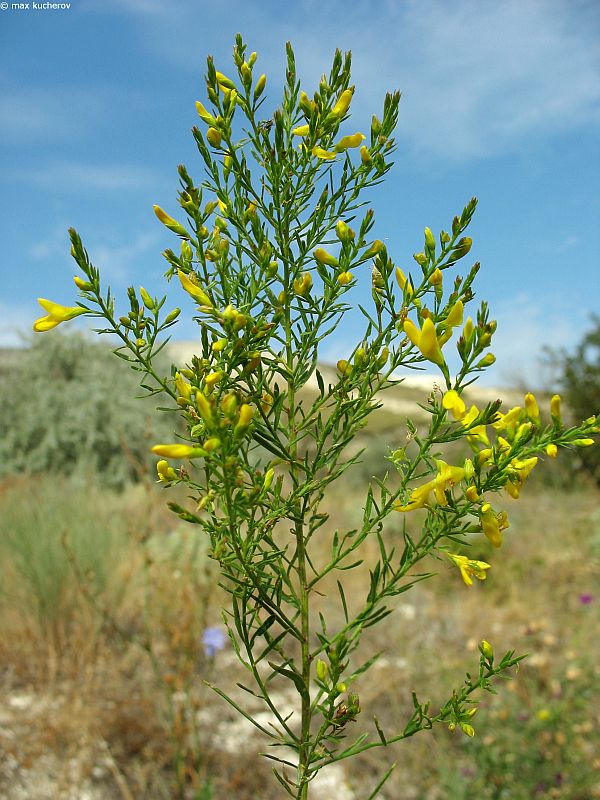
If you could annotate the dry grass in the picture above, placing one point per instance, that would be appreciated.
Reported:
(87, 712)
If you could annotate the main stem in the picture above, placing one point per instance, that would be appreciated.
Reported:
(304, 749)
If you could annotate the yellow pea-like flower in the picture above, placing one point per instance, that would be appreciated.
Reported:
(165, 473)
(344, 278)
(302, 130)
(204, 115)
(303, 285)
(323, 257)
(343, 102)
(184, 389)
(426, 340)
(365, 155)
(195, 291)
(324, 155)
(85, 286)
(436, 278)
(347, 142)
(531, 407)
(453, 402)
(178, 451)
(555, 408)
(225, 82)
(169, 222)
(551, 450)
(455, 317)
(56, 314)
(214, 378)
(245, 418)
(469, 568)
(214, 137)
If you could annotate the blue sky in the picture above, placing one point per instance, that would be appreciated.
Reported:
(500, 99)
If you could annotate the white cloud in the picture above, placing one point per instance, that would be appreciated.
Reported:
(50, 114)
(526, 325)
(75, 176)
(108, 251)
(116, 258)
(478, 77)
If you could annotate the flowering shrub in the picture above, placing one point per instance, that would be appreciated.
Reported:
(273, 238)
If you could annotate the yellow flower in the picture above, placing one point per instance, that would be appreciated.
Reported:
(493, 524)
(426, 340)
(470, 569)
(508, 422)
(345, 278)
(169, 222)
(56, 315)
(531, 407)
(343, 102)
(455, 317)
(166, 474)
(224, 81)
(194, 290)
(323, 257)
(303, 285)
(324, 155)
(453, 402)
(302, 130)
(177, 451)
(214, 378)
(349, 141)
(551, 450)
(213, 136)
(478, 433)
(365, 155)
(245, 418)
(184, 389)
(447, 477)
(520, 471)
(555, 408)
(204, 115)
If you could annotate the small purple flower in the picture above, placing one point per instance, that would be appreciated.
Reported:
(213, 640)
(585, 599)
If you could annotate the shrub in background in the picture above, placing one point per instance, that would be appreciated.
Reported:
(69, 408)
(579, 376)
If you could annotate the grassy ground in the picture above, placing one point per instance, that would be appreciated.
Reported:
(104, 599)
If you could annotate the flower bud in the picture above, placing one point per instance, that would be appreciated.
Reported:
(429, 241)
(323, 257)
(436, 278)
(214, 137)
(322, 669)
(260, 86)
(555, 409)
(365, 155)
(172, 316)
(148, 301)
(245, 418)
(268, 480)
(344, 367)
(344, 278)
(487, 360)
(551, 450)
(85, 286)
(583, 442)
(486, 650)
